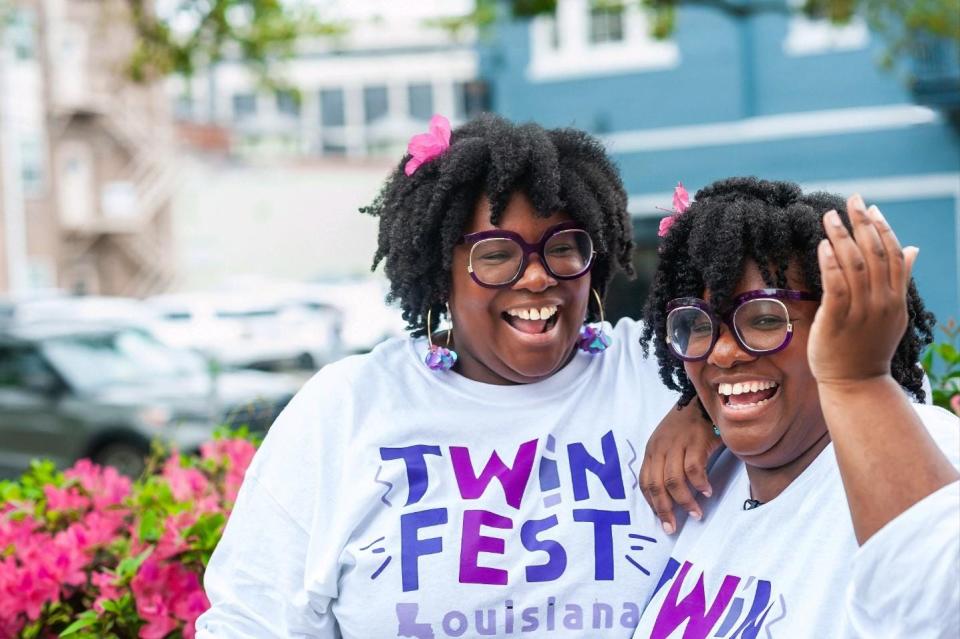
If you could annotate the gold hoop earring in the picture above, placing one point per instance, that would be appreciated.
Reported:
(592, 339)
(438, 358)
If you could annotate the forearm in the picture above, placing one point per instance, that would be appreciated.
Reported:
(887, 459)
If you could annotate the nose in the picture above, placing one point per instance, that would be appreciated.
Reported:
(726, 352)
(535, 277)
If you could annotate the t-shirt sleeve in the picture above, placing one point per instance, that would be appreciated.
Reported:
(906, 577)
(285, 519)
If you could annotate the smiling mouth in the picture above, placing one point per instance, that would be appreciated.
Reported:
(533, 321)
(745, 395)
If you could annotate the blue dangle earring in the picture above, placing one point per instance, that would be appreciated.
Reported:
(439, 358)
(592, 338)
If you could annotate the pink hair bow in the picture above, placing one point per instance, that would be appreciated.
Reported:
(681, 202)
(424, 147)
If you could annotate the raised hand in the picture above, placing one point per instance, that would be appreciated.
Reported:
(863, 314)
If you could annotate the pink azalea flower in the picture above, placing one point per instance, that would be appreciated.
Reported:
(424, 147)
(159, 622)
(105, 485)
(106, 584)
(35, 588)
(64, 499)
(185, 483)
(100, 527)
(191, 607)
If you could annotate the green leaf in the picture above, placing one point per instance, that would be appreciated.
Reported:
(151, 525)
(948, 352)
(207, 531)
(128, 566)
(85, 620)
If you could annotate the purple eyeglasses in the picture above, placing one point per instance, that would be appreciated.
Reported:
(499, 258)
(758, 320)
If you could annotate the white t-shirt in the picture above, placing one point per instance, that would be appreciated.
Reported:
(792, 568)
(390, 500)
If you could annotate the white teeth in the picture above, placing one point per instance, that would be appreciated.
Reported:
(744, 387)
(751, 405)
(542, 313)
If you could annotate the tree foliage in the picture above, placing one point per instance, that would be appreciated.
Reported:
(180, 36)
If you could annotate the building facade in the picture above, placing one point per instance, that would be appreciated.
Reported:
(773, 95)
(357, 95)
(87, 171)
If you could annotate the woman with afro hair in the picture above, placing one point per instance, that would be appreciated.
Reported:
(480, 479)
(793, 318)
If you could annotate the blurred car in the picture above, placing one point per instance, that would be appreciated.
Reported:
(247, 330)
(367, 318)
(103, 390)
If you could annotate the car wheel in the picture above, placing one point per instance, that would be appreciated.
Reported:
(306, 362)
(128, 458)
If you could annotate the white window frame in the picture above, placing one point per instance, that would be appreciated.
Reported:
(809, 37)
(575, 56)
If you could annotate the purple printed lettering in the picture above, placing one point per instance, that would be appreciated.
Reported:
(473, 543)
(514, 480)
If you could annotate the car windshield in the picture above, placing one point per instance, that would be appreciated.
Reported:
(93, 361)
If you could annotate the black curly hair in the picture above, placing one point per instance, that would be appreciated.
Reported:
(422, 216)
(774, 224)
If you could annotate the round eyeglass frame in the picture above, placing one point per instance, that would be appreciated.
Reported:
(771, 294)
(528, 249)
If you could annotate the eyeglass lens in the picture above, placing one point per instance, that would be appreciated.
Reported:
(498, 260)
(761, 324)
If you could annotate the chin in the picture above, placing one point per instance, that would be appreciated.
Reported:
(536, 366)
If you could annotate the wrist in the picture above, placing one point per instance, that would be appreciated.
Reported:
(871, 386)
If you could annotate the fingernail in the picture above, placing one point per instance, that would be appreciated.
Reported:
(876, 214)
(834, 218)
(707, 493)
(859, 201)
(668, 528)
(695, 515)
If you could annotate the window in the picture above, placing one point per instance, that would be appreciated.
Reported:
(288, 103)
(330, 147)
(375, 105)
(586, 38)
(244, 105)
(420, 97)
(332, 111)
(21, 33)
(32, 164)
(24, 368)
(470, 99)
(606, 24)
(815, 36)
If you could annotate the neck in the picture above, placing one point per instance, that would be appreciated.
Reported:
(767, 483)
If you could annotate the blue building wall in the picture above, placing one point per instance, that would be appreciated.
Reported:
(867, 133)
